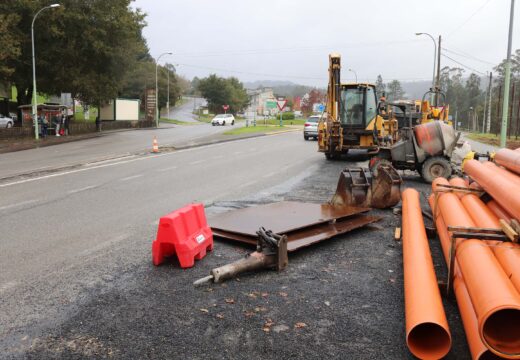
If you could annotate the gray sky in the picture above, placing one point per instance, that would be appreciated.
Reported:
(291, 39)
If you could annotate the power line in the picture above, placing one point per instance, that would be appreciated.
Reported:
(468, 19)
(471, 57)
(463, 65)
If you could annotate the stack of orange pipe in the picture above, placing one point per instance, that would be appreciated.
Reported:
(427, 332)
(509, 159)
(495, 300)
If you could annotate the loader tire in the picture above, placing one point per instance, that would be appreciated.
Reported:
(332, 156)
(435, 167)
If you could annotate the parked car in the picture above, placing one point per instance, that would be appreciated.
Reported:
(223, 119)
(310, 129)
(6, 122)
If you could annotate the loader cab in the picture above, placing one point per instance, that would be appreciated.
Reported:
(358, 105)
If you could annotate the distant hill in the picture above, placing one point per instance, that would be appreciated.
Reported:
(281, 88)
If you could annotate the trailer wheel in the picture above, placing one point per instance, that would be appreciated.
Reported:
(435, 167)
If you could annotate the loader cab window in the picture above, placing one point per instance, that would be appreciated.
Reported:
(371, 109)
(352, 108)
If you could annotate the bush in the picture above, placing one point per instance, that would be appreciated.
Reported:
(288, 116)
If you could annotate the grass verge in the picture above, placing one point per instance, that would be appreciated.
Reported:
(493, 139)
(177, 122)
(253, 130)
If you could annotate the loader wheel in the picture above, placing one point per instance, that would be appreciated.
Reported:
(332, 156)
(435, 167)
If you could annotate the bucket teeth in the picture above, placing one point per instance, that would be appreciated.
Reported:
(359, 187)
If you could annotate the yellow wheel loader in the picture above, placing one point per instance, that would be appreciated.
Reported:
(351, 120)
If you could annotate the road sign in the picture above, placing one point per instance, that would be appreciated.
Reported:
(321, 107)
(225, 107)
(150, 104)
(281, 104)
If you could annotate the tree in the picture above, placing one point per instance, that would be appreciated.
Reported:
(9, 43)
(85, 48)
(312, 97)
(380, 86)
(219, 91)
(394, 91)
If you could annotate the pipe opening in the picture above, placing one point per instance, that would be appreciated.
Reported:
(488, 355)
(429, 341)
(502, 331)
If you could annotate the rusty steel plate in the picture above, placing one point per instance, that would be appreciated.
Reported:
(281, 217)
(303, 237)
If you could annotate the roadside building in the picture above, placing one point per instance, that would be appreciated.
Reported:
(262, 101)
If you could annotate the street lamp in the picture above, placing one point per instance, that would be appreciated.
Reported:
(354, 73)
(434, 58)
(157, 89)
(34, 105)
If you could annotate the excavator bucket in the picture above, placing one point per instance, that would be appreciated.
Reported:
(360, 187)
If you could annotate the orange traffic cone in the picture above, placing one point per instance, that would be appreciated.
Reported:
(155, 148)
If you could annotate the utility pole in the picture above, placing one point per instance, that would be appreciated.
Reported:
(438, 82)
(507, 78)
(488, 121)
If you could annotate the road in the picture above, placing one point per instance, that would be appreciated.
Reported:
(108, 145)
(184, 112)
(70, 234)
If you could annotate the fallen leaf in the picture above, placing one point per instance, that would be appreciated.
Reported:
(327, 303)
(252, 295)
(219, 316)
(230, 301)
(264, 294)
(266, 329)
(204, 310)
(300, 325)
(283, 294)
(260, 309)
(248, 313)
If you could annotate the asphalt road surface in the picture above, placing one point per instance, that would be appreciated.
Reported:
(184, 112)
(77, 279)
(106, 146)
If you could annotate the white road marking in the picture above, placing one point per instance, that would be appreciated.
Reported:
(131, 177)
(131, 160)
(269, 175)
(21, 203)
(7, 286)
(167, 169)
(81, 189)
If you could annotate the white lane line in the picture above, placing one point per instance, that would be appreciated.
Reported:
(7, 286)
(131, 177)
(197, 162)
(269, 175)
(21, 203)
(132, 160)
(81, 189)
(167, 169)
(248, 183)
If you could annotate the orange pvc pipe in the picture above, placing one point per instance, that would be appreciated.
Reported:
(508, 254)
(478, 350)
(509, 159)
(504, 172)
(498, 210)
(501, 188)
(427, 332)
(495, 299)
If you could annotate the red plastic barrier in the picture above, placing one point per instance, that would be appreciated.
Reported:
(185, 233)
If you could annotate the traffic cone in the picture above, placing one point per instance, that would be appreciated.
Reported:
(155, 147)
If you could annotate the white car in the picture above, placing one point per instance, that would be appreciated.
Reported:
(6, 122)
(310, 129)
(223, 119)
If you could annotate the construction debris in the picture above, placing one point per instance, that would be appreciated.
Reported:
(271, 253)
(303, 224)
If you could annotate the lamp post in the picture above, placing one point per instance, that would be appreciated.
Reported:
(34, 105)
(157, 89)
(434, 58)
(355, 74)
